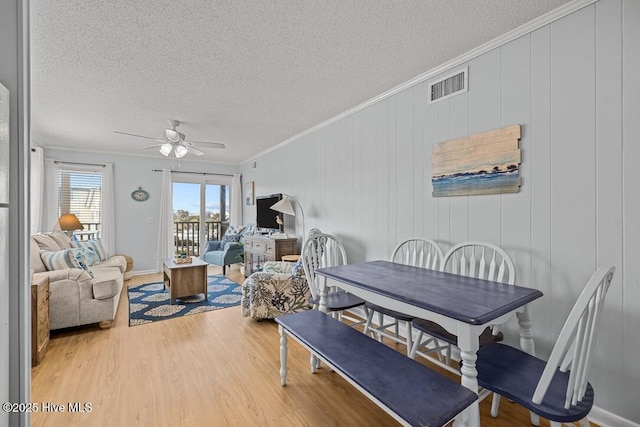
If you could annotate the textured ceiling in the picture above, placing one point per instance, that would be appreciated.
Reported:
(249, 74)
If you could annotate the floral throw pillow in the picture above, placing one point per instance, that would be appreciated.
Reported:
(90, 256)
(228, 238)
(95, 245)
(297, 268)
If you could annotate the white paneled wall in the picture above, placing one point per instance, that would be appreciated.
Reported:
(573, 86)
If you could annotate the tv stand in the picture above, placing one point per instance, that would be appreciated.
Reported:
(258, 249)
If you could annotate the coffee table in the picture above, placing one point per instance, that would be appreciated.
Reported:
(186, 279)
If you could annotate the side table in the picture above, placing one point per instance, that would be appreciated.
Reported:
(39, 319)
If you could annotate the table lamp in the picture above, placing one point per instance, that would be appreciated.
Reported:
(68, 222)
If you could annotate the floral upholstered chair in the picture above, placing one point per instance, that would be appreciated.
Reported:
(280, 288)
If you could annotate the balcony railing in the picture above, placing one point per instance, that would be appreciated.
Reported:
(187, 234)
(90, 231)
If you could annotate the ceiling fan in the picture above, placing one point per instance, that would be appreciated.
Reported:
(174, 142)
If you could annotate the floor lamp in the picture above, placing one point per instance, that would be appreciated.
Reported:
(286, 207)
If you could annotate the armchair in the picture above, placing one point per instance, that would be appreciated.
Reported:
(217, 253)
(280, 288)
(229, 250)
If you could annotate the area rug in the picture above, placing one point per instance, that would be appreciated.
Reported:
(149, 302)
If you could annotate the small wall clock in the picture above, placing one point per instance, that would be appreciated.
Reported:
(140, 195)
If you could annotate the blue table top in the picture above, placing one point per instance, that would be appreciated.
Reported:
(467, 299)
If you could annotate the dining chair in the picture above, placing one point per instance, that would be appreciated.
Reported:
(416, 252)
(324, 250)
(558, 389)
(477, 259)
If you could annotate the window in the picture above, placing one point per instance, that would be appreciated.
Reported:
(200, 211)
(80, 193)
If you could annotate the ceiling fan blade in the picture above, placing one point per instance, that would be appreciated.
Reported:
(209, 144)
(194, 150)
(139, 136)
(152, 146)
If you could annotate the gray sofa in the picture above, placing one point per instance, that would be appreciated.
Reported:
(76, 297)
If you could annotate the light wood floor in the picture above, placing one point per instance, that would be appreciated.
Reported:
(210, 369)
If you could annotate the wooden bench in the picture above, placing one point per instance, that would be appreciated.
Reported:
(410, 392)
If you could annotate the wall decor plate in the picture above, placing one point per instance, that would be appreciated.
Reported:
(140, 195)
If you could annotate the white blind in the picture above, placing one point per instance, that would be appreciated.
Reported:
(80, 193)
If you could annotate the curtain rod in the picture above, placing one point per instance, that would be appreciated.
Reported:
(194, 173)
(60, 162)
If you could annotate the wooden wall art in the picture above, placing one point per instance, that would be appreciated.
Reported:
(485, 163)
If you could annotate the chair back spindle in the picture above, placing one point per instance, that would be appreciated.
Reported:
(574, 348)
(320, 250)
(480, 260)
(418, 252)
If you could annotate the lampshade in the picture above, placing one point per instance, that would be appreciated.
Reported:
(284, 206)
(180, 151)
(165, 149)
(172, 135)
(69, 222)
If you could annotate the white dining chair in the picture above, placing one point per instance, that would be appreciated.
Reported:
(477, 259)
(558, 389)
(416, 252)
(324, 250)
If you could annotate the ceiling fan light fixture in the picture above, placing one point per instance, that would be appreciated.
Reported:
(180, 151)
(165, 149)
(172, 135)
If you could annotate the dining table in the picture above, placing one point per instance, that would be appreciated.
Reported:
(462, 305)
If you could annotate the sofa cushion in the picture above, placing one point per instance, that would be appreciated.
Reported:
(96, 245)
(117, 261)
(36, 262)
(107, 283)
(46, 242)
(63, 241)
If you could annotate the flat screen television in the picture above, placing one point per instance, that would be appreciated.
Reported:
(265, 216)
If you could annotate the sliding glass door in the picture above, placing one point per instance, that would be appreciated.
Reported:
(200, 211)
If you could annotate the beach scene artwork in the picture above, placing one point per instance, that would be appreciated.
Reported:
(485, 163)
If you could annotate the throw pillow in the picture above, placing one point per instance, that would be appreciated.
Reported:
(58, 260)
(90, 256)
(79, 254)
(96, 245)
(229, 237)
(298, 268)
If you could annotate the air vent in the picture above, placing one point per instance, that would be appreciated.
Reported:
(451, 85)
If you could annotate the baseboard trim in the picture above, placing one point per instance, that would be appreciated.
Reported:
(604, 418)
(141, 272)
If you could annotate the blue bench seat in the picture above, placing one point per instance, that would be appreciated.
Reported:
(409, 391)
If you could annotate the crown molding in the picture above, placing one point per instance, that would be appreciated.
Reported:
(527, 28)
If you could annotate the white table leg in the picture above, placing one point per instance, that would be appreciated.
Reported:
(526, 336)
(468, 337)
(283, 355)
(323, 295)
